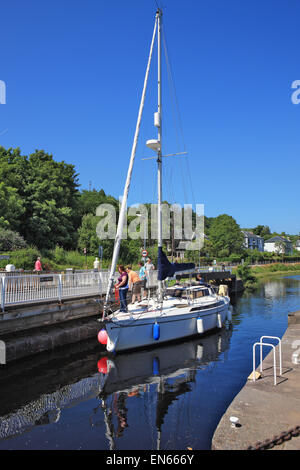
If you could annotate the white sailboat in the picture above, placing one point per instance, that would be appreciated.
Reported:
(172, 314)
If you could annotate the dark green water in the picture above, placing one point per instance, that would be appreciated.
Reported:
(169, 398)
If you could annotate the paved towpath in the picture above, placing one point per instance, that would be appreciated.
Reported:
(266, 410)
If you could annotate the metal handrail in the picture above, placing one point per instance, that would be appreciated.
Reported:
(279, 349)
(274, 356)
(261, 344)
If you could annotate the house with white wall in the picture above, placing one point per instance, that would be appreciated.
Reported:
(297, 245)
(280, 245)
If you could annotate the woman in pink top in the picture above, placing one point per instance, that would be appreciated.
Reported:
(38, 265)
(122, 285)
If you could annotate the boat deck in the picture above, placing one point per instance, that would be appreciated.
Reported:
(173, 306)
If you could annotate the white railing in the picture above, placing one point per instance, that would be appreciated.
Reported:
(208, 269)
(37, 288)
(33, 288)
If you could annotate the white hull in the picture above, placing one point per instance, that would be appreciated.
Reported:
(174, 324)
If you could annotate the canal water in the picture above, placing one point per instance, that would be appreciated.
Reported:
(168, 398)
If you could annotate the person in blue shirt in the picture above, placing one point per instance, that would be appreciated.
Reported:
(142, 276)
(200, 280)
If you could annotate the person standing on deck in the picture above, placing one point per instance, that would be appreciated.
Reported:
(142, 276)
(134, 283)
(148, 268)
(122, 285)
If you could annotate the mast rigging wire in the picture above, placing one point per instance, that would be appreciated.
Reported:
(176, 105)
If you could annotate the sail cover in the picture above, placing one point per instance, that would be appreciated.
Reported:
(167, 269)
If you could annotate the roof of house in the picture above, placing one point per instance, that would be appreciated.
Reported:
(250, 234)
(278, 239)
(297, 243)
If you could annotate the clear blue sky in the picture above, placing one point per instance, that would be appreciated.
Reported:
(74, 72)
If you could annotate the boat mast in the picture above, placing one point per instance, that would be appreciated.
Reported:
(127, 184)
(159, 151)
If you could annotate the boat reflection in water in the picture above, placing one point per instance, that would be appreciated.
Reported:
(99, 390)
(170, 369)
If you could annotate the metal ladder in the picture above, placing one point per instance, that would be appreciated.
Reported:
(261, 344)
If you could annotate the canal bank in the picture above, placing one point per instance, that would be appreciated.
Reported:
(32, 329)
(268, 415)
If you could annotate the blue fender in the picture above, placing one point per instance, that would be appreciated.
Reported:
(156, 331)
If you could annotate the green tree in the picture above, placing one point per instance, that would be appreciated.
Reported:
(90, 200)
(49, 194)
(89, 239)
(262, 231)
(11, 207)
(13, 169)
(130, 250)
(225, 236)
(280, 247)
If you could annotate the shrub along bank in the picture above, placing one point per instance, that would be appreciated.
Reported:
(276, 268)
(52, 260)
(251, 275)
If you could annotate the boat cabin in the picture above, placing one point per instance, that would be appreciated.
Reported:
(188, 292)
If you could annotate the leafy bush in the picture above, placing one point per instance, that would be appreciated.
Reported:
(234, 258)
(245, 273)
(59, 255)
(24, 259)
(10, 241)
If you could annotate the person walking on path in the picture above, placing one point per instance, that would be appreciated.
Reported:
(38, 265)
(96, 265)
(122, 285)
(135, 284)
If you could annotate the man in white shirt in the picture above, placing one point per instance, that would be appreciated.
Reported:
(96, 265)
(148, 268)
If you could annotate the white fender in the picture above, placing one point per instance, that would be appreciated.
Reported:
(200, 326)
(112, 339)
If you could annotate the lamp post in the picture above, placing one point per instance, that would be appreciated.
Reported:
(84, 251)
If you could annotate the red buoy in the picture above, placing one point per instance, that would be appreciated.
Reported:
(102, 365)
(102, 337)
